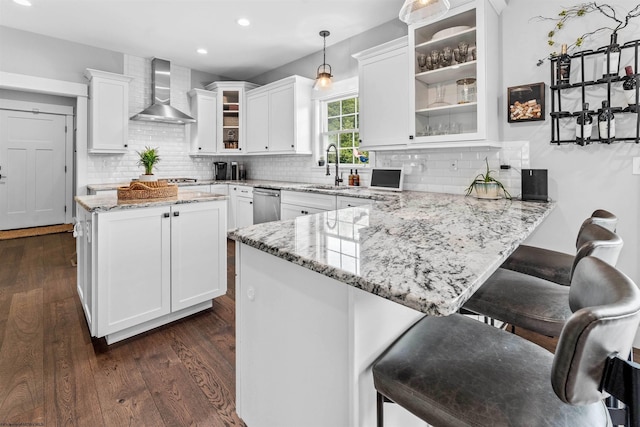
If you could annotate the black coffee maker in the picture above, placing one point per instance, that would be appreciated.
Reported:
(220, 171)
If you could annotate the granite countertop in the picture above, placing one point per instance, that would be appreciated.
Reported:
(361, 192)
(427, 251)
(108, 203)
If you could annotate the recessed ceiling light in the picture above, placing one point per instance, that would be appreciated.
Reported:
(202, 51)
(22, 2)
(244, 22)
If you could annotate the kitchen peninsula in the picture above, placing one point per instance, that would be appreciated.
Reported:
(319, 297)
(145, 263)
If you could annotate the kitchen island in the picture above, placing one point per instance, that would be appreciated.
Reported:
(145, 263)
(319, 297)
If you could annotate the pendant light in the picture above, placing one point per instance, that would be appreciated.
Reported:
(418, 10)
(323, 78)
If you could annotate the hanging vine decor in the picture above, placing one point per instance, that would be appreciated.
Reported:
(581, 10)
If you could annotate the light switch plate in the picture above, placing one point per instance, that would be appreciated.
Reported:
(636, 166)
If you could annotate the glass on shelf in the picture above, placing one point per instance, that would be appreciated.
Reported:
(439, 89)
(466, 90)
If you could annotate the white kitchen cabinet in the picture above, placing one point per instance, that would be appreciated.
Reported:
(240, 206)
(142, 268)
(204, 132)
(258, 121)
(279, 117)
(438, 114)
(108, 112)
(298, 203)
(384, 96)
(230, 117)
(244, 214)
(350, 202)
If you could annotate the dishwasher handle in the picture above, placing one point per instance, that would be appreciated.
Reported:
(264, 193)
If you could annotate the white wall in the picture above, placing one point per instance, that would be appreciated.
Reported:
(22, 52)
(581, 179)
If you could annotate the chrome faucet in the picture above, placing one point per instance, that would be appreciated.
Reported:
(338, 180)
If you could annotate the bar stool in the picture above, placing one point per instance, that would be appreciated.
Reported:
(553, 265)
(455, 371)
(540, 305)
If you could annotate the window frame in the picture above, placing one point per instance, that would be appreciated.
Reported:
(349, 90)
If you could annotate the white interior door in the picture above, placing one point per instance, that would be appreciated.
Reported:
(32, 169)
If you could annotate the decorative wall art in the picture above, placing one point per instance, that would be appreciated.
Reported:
(526, 103)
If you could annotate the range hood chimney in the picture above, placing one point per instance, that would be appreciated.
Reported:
(160, 109)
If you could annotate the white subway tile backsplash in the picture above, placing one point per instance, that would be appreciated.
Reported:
(437, 170)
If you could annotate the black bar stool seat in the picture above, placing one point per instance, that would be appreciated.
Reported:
(536, 304)
(456, 371)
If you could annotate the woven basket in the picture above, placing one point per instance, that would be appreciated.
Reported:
(147, 190)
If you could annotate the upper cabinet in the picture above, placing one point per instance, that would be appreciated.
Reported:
(437, 89)
(279, 117)
(204, 132)
(230, 115)
(384, 95)
(454, 69)
(108, 111)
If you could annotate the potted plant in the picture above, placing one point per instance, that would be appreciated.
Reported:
(486, 186)
(148, 158)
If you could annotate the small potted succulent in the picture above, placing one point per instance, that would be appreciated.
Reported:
(486, 186)
(148, 158)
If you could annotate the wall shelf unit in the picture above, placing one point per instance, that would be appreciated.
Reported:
(593, 90)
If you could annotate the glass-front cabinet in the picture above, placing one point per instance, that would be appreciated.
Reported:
(230, 114)
(454, 69)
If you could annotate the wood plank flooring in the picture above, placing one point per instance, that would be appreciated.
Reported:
(53, 373)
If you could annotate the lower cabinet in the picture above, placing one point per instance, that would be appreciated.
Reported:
(240, 206)
(296, 203)
(141, 268)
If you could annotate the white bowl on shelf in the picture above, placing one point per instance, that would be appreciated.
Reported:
(449, 32)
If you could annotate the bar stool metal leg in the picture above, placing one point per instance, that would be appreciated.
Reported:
(379, 411)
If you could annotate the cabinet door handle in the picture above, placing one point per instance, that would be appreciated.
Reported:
(176, 213)
(266, 148)
(250, 203)
(166, 214)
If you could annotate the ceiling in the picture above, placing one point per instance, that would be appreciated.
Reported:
(280, 31)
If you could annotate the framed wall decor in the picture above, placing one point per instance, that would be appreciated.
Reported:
(526, 103)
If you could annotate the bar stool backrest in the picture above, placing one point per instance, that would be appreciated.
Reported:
(599, 242)
(601, 217)
(606, 305)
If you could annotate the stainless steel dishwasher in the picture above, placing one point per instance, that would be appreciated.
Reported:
(266, 205)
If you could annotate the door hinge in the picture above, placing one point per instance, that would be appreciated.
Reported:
(65, 128)
(65, 169)
(65, 208)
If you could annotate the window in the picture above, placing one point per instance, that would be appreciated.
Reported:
(340, 127)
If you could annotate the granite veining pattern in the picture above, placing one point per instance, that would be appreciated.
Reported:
(361, 192)
(107, 203)
(427, 251)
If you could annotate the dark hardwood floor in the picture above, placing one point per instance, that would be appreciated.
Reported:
(53, 373)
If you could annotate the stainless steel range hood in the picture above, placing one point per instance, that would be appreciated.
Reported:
(160, 109)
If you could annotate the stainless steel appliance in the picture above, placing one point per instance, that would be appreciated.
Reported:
(234, 171)
(220, 173)
(161, 109)
(266, 205)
